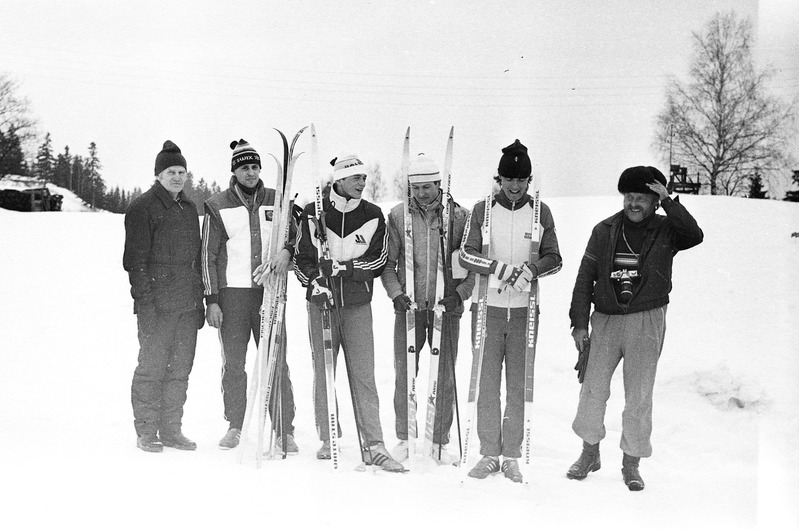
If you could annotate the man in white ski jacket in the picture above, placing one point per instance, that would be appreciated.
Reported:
(236, 230)
(509, 274)
(426, 213)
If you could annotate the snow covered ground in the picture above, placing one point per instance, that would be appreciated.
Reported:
(726, 437)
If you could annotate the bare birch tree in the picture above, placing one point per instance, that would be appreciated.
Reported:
(722, 123)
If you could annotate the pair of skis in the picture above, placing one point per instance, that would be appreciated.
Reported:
(270, 358)
(438, 309)
(531, 337)
(327, 327)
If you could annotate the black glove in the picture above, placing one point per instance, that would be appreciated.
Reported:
(451, 302)
(321, 293)
(402, 302)
(329, 268)
(582, 358)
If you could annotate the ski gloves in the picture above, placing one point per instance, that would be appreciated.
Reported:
(402, 302)
(330, 267)
(320, 287)
(518, 278)
(320, 292)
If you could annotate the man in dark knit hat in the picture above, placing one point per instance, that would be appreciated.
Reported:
(509, 271)
(162, 257)
(626, 273)
(237, 230)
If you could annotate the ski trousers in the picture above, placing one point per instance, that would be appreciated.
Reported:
(638, 339)
(241, 317)
(167, 342)
(504, 342)
(450, 330)
(351, 329)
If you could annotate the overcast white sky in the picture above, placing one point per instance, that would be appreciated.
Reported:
(579, 83)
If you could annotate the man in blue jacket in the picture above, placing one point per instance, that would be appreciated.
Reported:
(626, 273)
(162, 257)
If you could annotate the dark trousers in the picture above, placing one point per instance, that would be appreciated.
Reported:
(241, 318)
(450, 330)
(166, 356)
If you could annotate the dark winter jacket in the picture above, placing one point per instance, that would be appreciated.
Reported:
(357, 237)
(162, 251)
(665, 235)
(236, 238)
(426, 253)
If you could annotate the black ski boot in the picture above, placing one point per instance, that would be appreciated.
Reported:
(629, 472)
(588, 462)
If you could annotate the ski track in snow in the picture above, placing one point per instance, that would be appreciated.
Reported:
(726, 414)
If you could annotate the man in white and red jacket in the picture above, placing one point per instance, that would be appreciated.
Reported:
(236, 230)
(509, 272)
(356, 234)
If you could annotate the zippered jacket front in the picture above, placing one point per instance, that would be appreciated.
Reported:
(357, 237)
(236, 236)
(511, 237)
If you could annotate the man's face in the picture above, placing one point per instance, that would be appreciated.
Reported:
(353, 185)
(248, 175)
(639, 206)
(173, 179)
(425, 192)
(514, 188)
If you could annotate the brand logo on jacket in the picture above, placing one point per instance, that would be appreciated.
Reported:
(528, 235)
(269, 215)
(360, 240)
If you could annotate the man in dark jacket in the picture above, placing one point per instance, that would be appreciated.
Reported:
(626, 273)
(356, 233)
(162, 257)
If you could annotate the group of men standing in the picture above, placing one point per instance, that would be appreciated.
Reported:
(625, 273)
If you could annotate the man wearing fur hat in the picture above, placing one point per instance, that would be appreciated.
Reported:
(626, 273)
(162, 252)
(356, 234)
(426, 210)
(509, 272)
(236, 232)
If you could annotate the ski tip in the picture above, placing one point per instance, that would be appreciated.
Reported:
(451, 131)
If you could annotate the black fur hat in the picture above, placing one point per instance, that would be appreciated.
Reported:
(635, 179)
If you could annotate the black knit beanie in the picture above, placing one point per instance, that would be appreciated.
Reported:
(514, 162)
(168, 157)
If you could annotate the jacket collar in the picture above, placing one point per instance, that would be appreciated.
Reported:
(166, 197)
(433, 207)
(257, 196)
(502, 199)
(341, 204)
